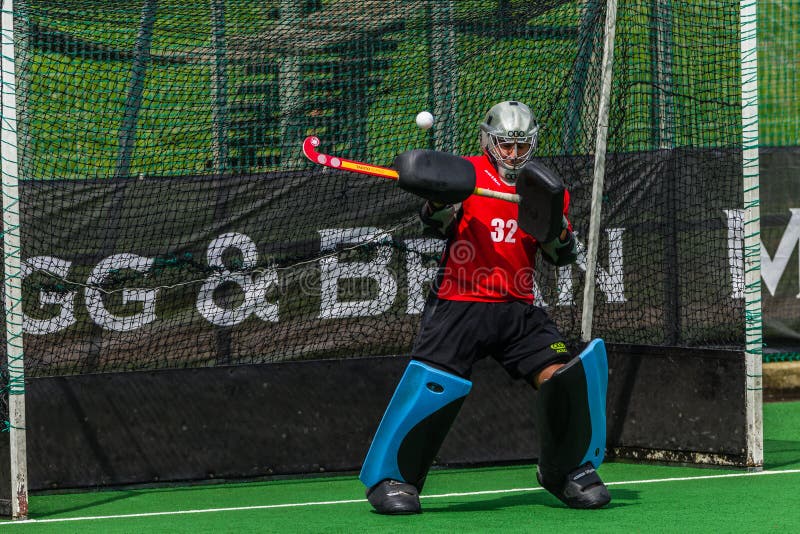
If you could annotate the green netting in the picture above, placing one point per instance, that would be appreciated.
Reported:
(779, 93)
(779, 74)
(781, 357)
(170, 220)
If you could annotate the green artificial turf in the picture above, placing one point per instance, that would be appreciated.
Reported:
(646, 498)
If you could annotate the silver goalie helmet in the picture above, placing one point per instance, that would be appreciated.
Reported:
(508, 136)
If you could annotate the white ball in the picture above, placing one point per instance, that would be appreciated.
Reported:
(424, 120)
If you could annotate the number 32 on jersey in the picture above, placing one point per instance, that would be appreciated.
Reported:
(503, 230)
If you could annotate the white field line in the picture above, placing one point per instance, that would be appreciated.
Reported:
(352, 501)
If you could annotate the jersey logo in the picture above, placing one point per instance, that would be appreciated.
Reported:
(559, 347)
(492, 176)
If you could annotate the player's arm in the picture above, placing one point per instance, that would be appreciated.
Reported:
(439, 218)
(562, 250)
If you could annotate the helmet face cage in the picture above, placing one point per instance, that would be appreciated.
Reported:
(509, 135)
(511, 152)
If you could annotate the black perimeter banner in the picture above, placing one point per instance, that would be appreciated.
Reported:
(200, 271)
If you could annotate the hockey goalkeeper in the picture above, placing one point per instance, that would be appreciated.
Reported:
(481, 304)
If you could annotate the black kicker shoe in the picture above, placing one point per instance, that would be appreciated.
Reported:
(394, 497)
(582, 488)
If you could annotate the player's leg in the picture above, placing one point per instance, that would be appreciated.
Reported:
(422, 409)
(571, 421)
(415, 423)
(570, 408)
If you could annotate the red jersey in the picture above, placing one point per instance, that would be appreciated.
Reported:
(489, 258)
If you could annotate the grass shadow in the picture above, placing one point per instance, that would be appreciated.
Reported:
(619, 498)
(781, 453)
(103, 498)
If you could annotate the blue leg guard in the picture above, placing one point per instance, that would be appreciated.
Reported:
(418, 417)
(571, 421)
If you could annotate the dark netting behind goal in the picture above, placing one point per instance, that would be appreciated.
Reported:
(170, 220)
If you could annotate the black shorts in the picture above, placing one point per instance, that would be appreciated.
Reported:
(453, 335)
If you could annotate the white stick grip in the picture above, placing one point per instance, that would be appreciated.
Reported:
(508, 197)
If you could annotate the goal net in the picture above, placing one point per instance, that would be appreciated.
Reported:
(169, 220)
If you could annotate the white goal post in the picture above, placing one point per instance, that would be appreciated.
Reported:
(12, 273)
(752, 234)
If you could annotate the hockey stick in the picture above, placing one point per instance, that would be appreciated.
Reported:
(310, 150)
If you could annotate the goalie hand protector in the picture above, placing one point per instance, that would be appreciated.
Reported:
(542, 208)
(435, 176)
